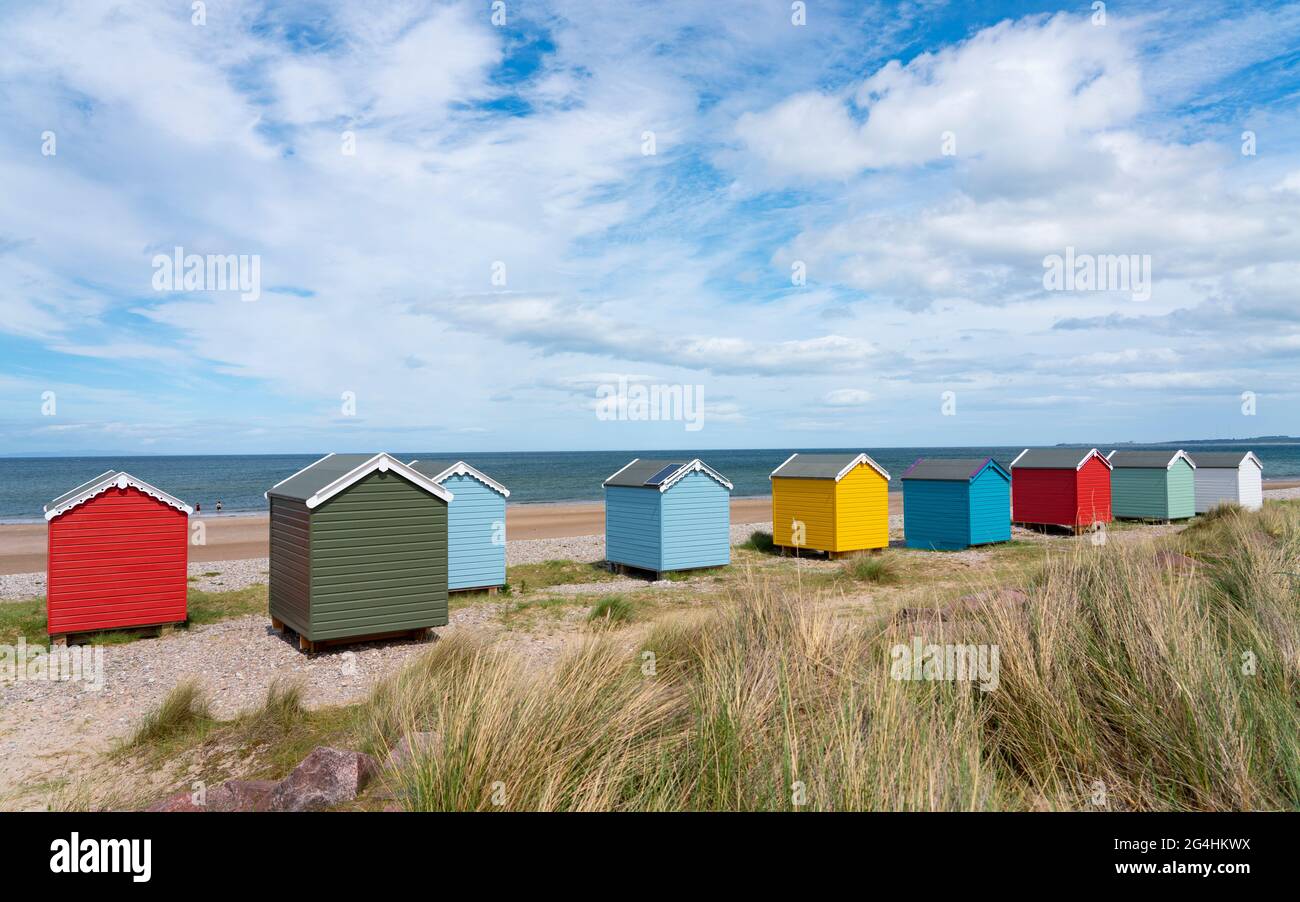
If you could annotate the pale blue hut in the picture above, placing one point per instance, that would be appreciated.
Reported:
(663, 515)
(953, 503)
(476, 524)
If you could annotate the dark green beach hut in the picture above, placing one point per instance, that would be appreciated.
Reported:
(358, 550)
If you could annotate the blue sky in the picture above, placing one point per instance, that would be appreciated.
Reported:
(776, 146)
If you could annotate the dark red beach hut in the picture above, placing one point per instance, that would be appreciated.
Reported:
(1060, 487)
(117, 556)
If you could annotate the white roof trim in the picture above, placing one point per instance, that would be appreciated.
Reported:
(619, 470)
(695, 466)
(1246, 455)
(1087, 457)
(863, 459)
(460, 468)
(115, 479)
(1173, 460)
(783, 463)
(1018, 456)
(382, 462)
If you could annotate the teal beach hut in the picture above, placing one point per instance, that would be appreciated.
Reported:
(953, 503)
(1152, 485)
(476, 524)
(663, 515)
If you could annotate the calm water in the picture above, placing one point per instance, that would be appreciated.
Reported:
(26, 484)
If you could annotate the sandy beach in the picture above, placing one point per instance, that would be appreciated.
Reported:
(236, 538)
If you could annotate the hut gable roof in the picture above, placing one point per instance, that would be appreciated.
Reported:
(824, 466)
(1224, 460)
(661, 474)
(952, 469)
(102, 483)
(1056, 458)
(439, 470)
(1147, 460)
(315, 484)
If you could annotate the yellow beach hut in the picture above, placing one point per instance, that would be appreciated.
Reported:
(834, 503)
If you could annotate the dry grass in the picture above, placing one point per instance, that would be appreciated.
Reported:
(1122, 671)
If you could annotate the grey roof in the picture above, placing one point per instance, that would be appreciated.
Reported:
(823, 466)
(1052, 458)
(1126, 460)
(1230, 460)
(101, 483)
(432, 468)
(961, 469)
(635, 474)
(79, 489)
(307, 482)
(435, 468)
(638, 471)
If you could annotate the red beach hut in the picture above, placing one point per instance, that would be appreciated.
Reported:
(117, 556)
(1060, 487)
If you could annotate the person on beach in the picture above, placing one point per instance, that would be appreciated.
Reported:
(218, 505)
(198, 508)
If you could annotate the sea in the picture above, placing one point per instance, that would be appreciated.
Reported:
(533, 477)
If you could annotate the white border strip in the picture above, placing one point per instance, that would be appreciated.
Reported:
(120, 479)
(460, 468)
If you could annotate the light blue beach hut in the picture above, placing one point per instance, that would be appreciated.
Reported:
(953, 503)
(663, 515)
(476, 524)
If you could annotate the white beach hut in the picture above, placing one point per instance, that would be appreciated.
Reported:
(1232, 477)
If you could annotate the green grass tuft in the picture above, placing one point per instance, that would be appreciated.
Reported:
(610, 609)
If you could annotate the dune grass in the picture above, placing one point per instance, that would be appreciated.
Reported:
(184, 711)
(1123, 684)
(610, 609)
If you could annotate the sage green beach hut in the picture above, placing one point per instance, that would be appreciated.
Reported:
(1152, 485)
(358, 550)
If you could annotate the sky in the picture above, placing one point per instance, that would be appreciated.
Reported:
(828, 224)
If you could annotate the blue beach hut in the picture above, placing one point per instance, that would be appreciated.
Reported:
(476, 524)
(954, 503)
(663, 515)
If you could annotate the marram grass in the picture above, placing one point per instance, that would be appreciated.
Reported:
(1130, 680)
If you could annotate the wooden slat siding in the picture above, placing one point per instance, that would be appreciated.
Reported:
(861, 510)
(990, 508)
(290, 589)
(1093, 492)
(378, 560)
(1250, 486)
(1045, 496)
(1214, 487)
(117, 561)
(696, 523)
(473, 560)
(632, 530)
(1181, 482)
(810, 501)
(936, 514)
(1139, 493)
